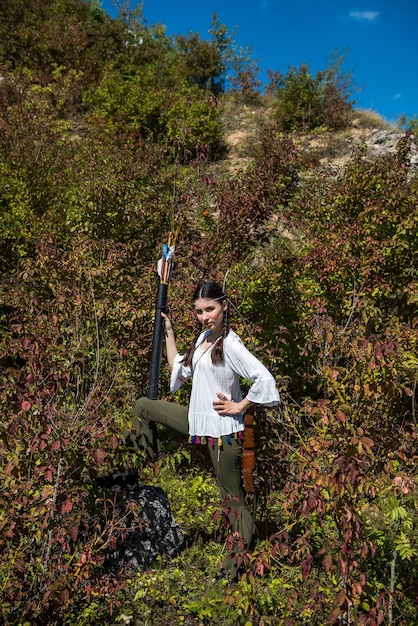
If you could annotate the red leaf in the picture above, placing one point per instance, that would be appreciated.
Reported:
(342, 565)
(366, 389)
(114, 442)
(327, 562)
(64, 596)
(9, 533)
(367, 443)
(364, 550)
(333, 616)
(9, 468)
(341, 416)
(73, 532)
(66, 507)
(341, 597)
(99, 455)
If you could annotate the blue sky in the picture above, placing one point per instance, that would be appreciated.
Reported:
(380, 39)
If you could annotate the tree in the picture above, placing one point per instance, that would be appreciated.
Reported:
(202, 62)
(306, 102)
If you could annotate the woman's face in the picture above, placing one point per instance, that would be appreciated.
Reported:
(210, 314)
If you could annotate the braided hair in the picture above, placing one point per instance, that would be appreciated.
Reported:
(211, 291)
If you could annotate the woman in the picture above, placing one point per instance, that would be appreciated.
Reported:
(215, 362)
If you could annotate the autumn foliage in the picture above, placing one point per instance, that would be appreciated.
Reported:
(111, 134)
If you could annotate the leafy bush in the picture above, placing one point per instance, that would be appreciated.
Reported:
(306, 102)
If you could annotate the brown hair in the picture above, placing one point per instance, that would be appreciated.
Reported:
(212, 291)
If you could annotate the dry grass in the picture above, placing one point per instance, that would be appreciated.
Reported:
(364, 118)
(322, 148)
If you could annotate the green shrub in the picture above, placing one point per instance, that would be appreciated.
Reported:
(306, 102)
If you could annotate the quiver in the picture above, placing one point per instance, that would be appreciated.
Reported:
(248, 452)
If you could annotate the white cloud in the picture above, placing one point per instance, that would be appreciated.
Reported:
(364, 16)
(397, 96)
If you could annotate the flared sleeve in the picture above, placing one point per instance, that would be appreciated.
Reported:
(263, 389)
(179, 374)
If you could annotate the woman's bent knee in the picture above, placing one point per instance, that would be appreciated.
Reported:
(141, 407)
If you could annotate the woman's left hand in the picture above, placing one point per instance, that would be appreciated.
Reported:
(226, 407)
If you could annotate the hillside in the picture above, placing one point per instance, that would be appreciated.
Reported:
(330, 150)
(116, 140)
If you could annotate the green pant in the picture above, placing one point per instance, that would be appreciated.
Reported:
(226, 462)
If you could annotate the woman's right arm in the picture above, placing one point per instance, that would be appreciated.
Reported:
(170, 341)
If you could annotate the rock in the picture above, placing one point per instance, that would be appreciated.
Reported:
(382, 142)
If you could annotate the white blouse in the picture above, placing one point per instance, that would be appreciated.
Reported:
(210, 379)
